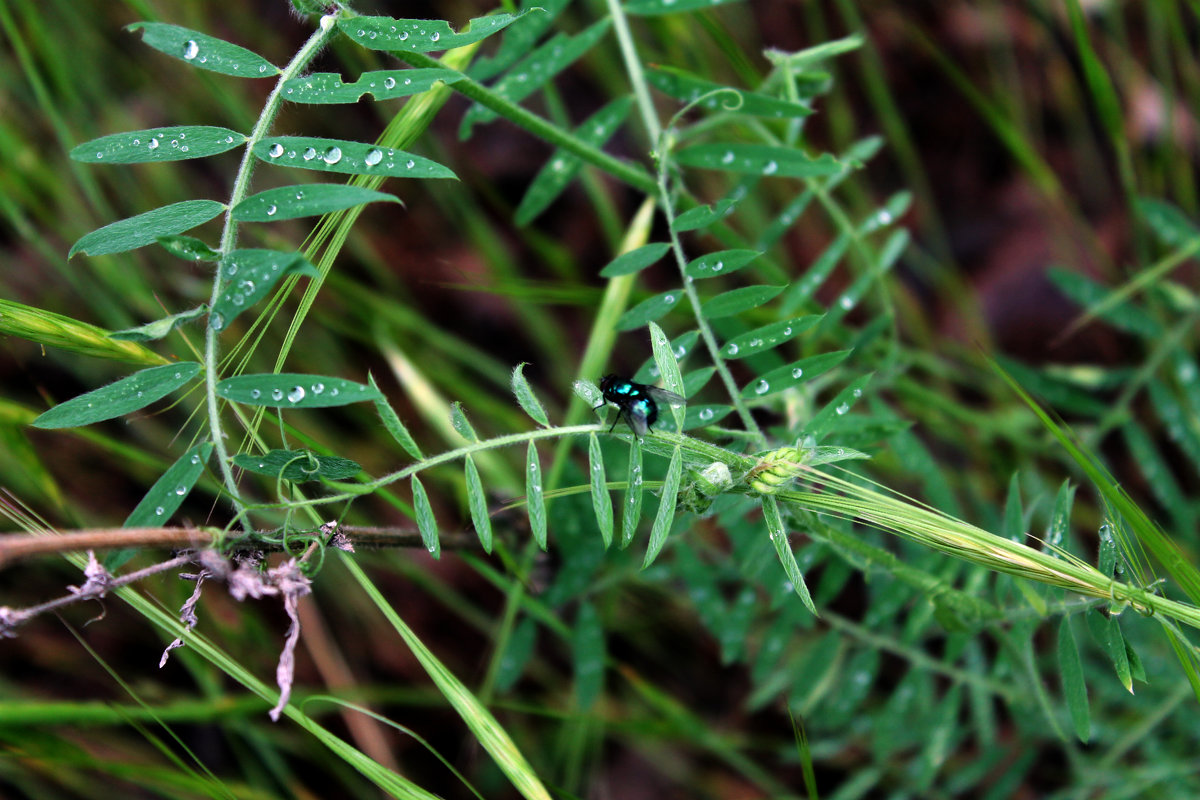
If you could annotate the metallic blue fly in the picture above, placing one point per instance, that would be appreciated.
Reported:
(635, 402)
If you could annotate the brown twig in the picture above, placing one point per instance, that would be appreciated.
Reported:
(20, 545)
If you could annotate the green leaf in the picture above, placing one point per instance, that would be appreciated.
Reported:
(385, 84)
(1074, 687)
(159, 328)
(802, 59)
(802, 290)
(1014, 518)
(204, 51)
(767, 337)
(518, 39)
(648, 310)
(517, 653)
(588, 393)
(824, 420)
(345, 157)
(158, 144)
(783, 549)
(738, 300)
(635, 260)
(125, 396)
(649, 8)
(189, 248)
(293, 390)
(144, 229)
(563, 166)
(721, 262)
(420, 35)
(309, 200)
(587, 648)
(536, 70)
(666, 508)
(700, 416)
(1060, 519)
(460, 423)
(1097, 299)
(601, 502)
(298, 465)
(696, 380)
(526, 397)
(631, 506)
(534, 498)
(393, 425)
(164, 498)
(703, 216)
(687, 87)
(895, 207)
(248, 276)
(757, 159)
(477, 501)
(1172, 227)
(426, 524)
(664, 356)
(681, 346)
(794, 374)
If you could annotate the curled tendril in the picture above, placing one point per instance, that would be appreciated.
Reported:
(736, 102)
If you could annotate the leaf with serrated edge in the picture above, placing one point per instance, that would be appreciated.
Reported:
(125, 396)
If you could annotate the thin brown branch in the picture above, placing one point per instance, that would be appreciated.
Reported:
(24, 545)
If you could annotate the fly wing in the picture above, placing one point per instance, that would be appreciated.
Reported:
(635, 421)
(666, 396)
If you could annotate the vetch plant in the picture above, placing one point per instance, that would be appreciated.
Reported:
(769, 405)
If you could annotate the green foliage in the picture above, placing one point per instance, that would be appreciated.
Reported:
(896, 630)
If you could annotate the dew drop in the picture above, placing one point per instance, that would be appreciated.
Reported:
(238, 299)
(389, 83)
(727, 158)
(403, 36)
(317, 388)
(717, 267)
(797, 372)
(787, 331)
(732, 349)
(669, 299)
(181, 490)
(277, 394)
(373, 157)
(333, 155)
(680, 351)
(408, 81)
(706, 414)
(842, 409)
(296, 394)
(99, 154)
(271, 211)
(410, 164)
(216, 321)
(846, 302)
(152, 144)
(160, 511)
(262, 67)
(762, 388)
(857, 393)
(771, 168)
(276, 150)
(190, 49)
(255, 394)
(309, 153)
(435, 36)
(334, 392)
(195, 459)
